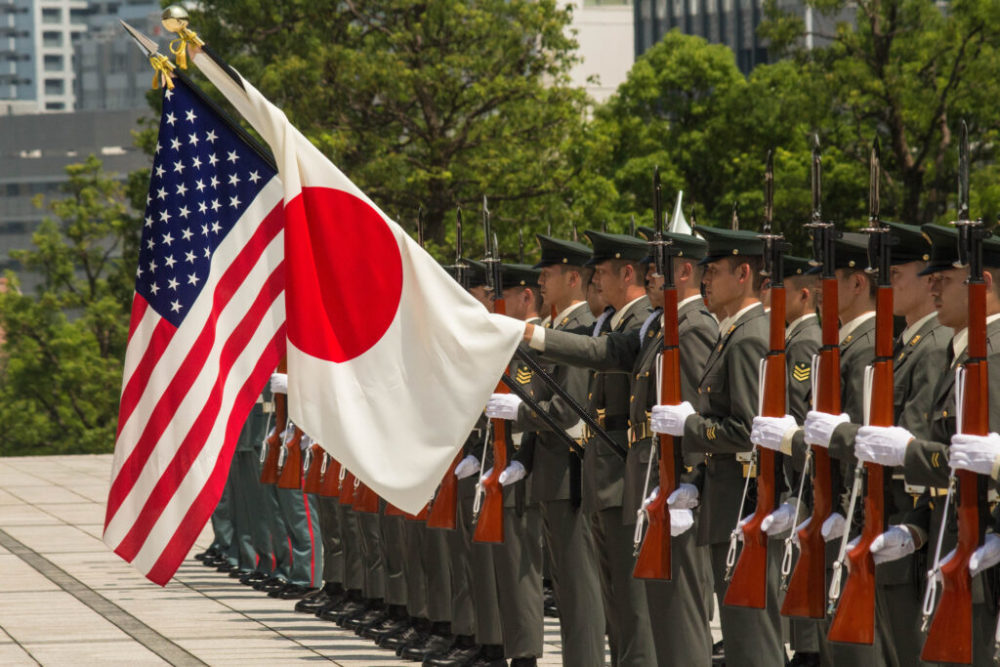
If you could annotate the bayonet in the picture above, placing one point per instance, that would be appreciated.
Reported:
(148, 46)
(420, 226)
(817, 176)
(769, 192)
(734, 224)
(459, 260)
(631, 226)
(874, 177)
(520, 245)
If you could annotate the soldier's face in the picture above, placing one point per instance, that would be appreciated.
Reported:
(654, 286)
(595, 301)
(552, 283)
(610, 284)
(909, 291)
(951, 297)
(482, 296)
(722, 285)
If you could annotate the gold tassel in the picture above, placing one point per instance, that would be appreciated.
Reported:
(179, 46)
(162, 69)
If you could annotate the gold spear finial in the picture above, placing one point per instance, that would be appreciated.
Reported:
(175, 20)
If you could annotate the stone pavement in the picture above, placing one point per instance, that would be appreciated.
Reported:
(65, 599)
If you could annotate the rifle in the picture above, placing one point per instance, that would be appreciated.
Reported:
(444, 507)
(272, 444)
(489, 522)
(347, 487)
(365, 500)
(804, 597)
(748, 587)
(291, 462)
(854, 620)
(950, 635)
(312, 467)
(330, 484)
(653, 561)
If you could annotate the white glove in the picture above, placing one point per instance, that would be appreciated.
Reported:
(279, 383)
(739, 526)
(467, 467)
(819, 427)
(680, 521)
(834, 527)
(779, 521)
(976, 453)
(884, 445)
(670, 419)
(515, 472)
(651, 498)
(502, 406)
(769, 431)
(801, 526)
(892, 545)
(684, 497)
(985, 556)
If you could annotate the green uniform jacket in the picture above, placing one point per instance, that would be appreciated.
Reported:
(547, 458)
(800, 346)
(726, 405)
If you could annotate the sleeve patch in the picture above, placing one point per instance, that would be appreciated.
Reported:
(800, 372)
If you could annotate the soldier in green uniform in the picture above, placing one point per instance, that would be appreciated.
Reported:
(334, 565)
(720, 430)
(251, 530)
(547, 462)
(925, 460)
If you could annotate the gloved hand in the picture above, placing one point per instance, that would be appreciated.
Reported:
(684, 497)
(819, 427)
(467, 467)
(985, 556)
(680, 522)
(976, 453)
(801, 526)
(884, 445)
(670, 419)
(779, 521)
(769, 431)
(651, 497)
(834, 527)
(948, 557)
(515, 472)
(739, 526)
(892, 545)
(279, 383)
(502, 406)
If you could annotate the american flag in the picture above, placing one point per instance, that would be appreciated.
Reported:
(207, 329)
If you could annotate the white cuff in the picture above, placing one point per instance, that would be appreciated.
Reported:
(537, 341)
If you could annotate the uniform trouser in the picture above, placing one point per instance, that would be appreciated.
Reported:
(576, 582)
(305, 540)
(394, 552)
(624, 596)
(222, 521)
(518, 562)
(279, 533)
(680, 609)
(354, 570)
(244, 508)
(369, 525)
(834, 654)
(483, 580)
(751, 636)
(984, 625)
(413, 566)
(333, 541)
(898, 614)
(463, 613)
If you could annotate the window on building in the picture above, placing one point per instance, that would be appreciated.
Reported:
(55, 106)
(52, 39)
(55, 86)
(78, 15)
(54, 63)
(51, 15)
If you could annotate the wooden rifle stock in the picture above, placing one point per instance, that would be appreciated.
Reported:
(291, 470)
(269, 469)
(314, 469)
(365, 500)
(489, 526)
(748, 587)
(854, 620)
(330, 484)
(392, 510)
(950, 636)
(806, 594)
(444, 507)
(347, 490)
(653, 561)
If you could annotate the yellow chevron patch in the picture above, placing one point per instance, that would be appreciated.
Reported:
(710, 432)
(523, 375)
(936, 459)
(801, 371)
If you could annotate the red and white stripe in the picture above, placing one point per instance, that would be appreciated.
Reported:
(187, 392)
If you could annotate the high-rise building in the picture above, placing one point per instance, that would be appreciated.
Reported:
(604, 30)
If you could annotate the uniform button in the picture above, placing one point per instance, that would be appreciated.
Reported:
(708, 389)
(631, 398)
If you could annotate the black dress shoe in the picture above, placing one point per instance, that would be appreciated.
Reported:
(207, 553)
(433, 645)
(269, 584)
(311, 603)
(367, 619)
(239, 574)
(456, 656)
(252, 577)
(214, 560)
(294, 592)
(386, 627)
(227, 567)
(398, 640)
(524, 662)
(344, 618)
(348, 608)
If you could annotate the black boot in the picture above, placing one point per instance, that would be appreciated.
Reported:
(415, 631)
(463, 651)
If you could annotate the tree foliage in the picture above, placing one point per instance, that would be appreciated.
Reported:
(64, 345)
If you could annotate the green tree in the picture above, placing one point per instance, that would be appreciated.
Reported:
(427, 104)
(64, 346)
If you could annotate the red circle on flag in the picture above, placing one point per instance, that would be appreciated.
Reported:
(344, 274)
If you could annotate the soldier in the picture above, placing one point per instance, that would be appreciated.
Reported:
(720, 430)
(618, 277)
(925, 459)
(547, 462)
(332, 591)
